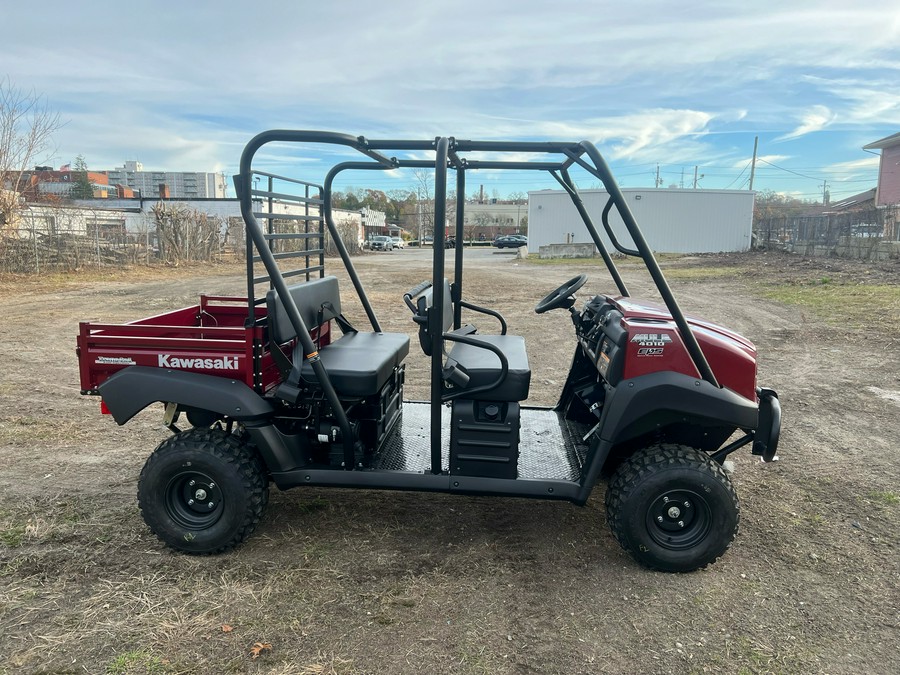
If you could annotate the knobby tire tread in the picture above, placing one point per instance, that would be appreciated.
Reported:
(643, 464)
(225, 447)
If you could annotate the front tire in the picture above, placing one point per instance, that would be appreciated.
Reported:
(672, 508)
(203, 491)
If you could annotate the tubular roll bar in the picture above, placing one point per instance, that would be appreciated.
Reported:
(339, 242)
(448, 155)
(436, 329)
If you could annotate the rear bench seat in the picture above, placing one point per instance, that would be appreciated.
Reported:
(358, 364)
(472, 364)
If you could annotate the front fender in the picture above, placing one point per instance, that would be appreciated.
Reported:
(648, 402)
(131, 390)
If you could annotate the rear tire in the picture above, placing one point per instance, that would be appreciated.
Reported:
(672, 508)
(203, 491)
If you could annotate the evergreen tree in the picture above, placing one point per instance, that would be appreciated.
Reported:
(81, 184)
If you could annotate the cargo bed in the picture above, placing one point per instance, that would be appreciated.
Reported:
(211, 337)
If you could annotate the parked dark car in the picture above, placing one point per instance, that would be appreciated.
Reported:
(450, 242)
(510, 241)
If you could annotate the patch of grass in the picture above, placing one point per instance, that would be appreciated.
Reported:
(22, 428)
(533, 259)
(21, 525)
(326, 664)
(312, 505)
(12, 535)
(698, 273)
(53, 281)
(620, 260)
(885, 497)
(136, 661)
(757, 653)
(854, 305)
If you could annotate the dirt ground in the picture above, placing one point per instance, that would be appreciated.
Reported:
(377, 582)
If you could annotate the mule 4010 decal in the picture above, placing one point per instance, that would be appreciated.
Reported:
(652, 344)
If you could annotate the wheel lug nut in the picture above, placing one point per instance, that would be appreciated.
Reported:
(212, 485)
(680, 523)
(665, 500)
(687, 505)
(659, 519)
(192, 483)
(211, 504)
(191, 502)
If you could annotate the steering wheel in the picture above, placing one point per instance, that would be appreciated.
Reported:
(561, 297)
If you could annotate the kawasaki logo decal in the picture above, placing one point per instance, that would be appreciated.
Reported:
(226, 363)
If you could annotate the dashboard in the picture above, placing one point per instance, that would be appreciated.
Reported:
(603, 337)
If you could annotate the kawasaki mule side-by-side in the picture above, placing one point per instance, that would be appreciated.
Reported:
(279, 387)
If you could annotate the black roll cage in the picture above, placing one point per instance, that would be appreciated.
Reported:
(449, 154)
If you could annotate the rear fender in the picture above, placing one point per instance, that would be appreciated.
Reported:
(131, 390)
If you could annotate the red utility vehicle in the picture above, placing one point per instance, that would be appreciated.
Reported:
(654, 400)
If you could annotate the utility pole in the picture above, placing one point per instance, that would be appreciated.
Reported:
(681, 184)
(824, 193)
(695, 176)
(657, 184)
(753, 165)
(419, 219)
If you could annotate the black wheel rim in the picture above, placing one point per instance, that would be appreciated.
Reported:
(679, 519)
(194, 500)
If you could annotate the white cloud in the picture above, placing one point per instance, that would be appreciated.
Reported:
(815, 119)
(866, 164)
(648, 82)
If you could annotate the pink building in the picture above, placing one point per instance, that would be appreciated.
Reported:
(888, 192)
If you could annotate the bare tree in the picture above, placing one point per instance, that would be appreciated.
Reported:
(27, 124)
(186, 234)
(348, 230)
(425, 196)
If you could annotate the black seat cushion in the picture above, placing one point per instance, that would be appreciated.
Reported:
(359, 364)
(483, 366)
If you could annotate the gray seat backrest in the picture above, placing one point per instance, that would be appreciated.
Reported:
(426, 302)
(424, 305)
(318, 300)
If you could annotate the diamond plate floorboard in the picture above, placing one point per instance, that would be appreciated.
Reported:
(550, 447)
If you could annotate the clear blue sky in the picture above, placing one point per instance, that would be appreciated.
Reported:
(182, 86)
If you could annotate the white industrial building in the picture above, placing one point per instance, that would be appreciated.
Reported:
(672, 220)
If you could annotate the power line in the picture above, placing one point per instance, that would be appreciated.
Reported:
(781, 168)
(738, 176)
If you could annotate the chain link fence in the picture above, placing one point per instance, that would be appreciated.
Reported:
(50, 239)
(864, 233)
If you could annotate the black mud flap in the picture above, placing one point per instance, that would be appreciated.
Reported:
(765, 443)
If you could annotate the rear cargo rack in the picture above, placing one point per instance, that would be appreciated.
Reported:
(294, 230)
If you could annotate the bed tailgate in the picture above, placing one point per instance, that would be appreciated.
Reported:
(208, 338)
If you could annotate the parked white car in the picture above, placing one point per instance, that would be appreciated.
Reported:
(398, 242)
